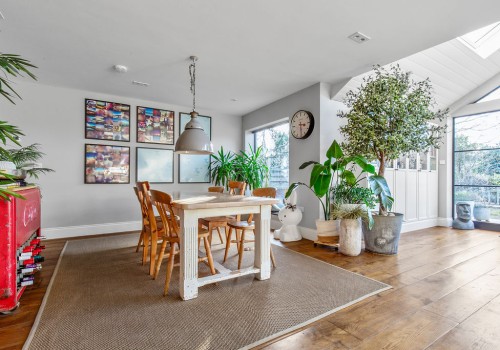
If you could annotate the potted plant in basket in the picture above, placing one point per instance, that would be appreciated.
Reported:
(389, 116)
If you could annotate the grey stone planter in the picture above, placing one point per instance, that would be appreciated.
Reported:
(383, 238)
(482, 213)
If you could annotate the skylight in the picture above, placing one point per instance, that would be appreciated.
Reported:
(484, 41)
(492, 95)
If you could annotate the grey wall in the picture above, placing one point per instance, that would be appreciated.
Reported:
(54, 117)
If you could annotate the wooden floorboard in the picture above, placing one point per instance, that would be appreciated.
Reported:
(445, 295)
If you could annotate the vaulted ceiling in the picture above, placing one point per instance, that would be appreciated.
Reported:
(253, 51)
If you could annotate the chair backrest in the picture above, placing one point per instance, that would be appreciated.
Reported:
(269, 192)
(143, 194)
(218, 189)
(163, 203)
(144, 212)
(237, 186)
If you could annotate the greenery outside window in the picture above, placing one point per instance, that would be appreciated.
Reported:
(476, 151)
(274, 142)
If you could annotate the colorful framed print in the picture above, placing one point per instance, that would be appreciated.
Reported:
(107, 120)
(155, 126)
(206, 123)
(155, 165)
(105, 164)
(194, 168)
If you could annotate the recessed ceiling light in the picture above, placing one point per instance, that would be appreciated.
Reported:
(234, 99)
(120, 68)
(140, 83)
(359, 37)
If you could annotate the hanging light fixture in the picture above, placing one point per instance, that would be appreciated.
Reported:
(193, 139)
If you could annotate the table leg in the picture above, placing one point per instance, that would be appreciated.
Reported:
(189, 255)
(262, 242)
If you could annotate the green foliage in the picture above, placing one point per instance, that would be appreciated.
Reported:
(26, 158)
(251, 167)
(222, 168)
(343, 194)
(347, 212)
(389, 116)
(335, 171)
(15, 66)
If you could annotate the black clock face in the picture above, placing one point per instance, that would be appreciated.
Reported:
(302, 124)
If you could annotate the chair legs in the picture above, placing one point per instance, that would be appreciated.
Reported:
(145, 251)
(160, 258)
(240, 240)
(170, 267)
(209, 255)
(141, 239)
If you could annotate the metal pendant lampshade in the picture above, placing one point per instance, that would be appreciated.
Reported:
(193, 139)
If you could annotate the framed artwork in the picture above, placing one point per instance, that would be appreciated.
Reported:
(194, 168)
(107, 120)
(206, 123)
(106, 164)
(155, 126)
(154, 165)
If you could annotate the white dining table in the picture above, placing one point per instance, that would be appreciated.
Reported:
(191, 206)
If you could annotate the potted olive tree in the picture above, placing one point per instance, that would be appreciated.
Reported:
(389, 115)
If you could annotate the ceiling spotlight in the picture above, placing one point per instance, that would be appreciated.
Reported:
(359, 37)
(234, 99)
(120, 68)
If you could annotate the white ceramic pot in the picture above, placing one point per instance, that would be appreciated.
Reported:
(482, 213)
(350, 237)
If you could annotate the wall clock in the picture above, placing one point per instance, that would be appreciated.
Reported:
(302, 124)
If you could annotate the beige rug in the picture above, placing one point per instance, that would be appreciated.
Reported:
(101, 298)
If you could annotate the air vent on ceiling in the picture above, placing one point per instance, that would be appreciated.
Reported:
(359, 37)
(140, 83)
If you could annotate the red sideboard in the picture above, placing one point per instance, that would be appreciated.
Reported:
(20, 248)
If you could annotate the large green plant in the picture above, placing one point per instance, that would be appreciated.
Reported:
(389, 116)
(10, 65)
(336, 171)
(222, 167)
(251, 167)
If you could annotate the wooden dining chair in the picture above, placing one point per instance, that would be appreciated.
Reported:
(144, 215)
(218, 222)
(163, 203)
(151, 222)
(240, 227)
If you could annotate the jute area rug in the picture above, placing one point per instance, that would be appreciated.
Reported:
(100, 297)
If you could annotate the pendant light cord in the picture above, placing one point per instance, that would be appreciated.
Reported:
(192, 74)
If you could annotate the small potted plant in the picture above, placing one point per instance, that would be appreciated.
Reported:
(222, 168)
(251, 167)
(350, 231)
(481, 211)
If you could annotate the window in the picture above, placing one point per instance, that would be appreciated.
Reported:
(477, 160)
(492, 95)
(274, 141)
(483, 41)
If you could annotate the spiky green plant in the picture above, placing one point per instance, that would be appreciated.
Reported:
(26, 158)
(251, 167)
(344, 212)
(15, 66)
(222, 167)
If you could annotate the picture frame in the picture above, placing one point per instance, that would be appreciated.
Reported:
(155, 126)
(194, 168)
(106, 120)
(155, 165)
(106, 164)
(205, 121)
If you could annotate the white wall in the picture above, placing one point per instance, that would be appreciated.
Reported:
(54, 117)
(300, 150)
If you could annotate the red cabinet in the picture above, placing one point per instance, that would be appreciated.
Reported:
(20, 246)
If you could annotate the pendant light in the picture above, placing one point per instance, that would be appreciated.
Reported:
(193, 139)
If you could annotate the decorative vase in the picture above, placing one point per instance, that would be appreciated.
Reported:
(482, 213)
(350, 237)
(327, 230)
(383, 237)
